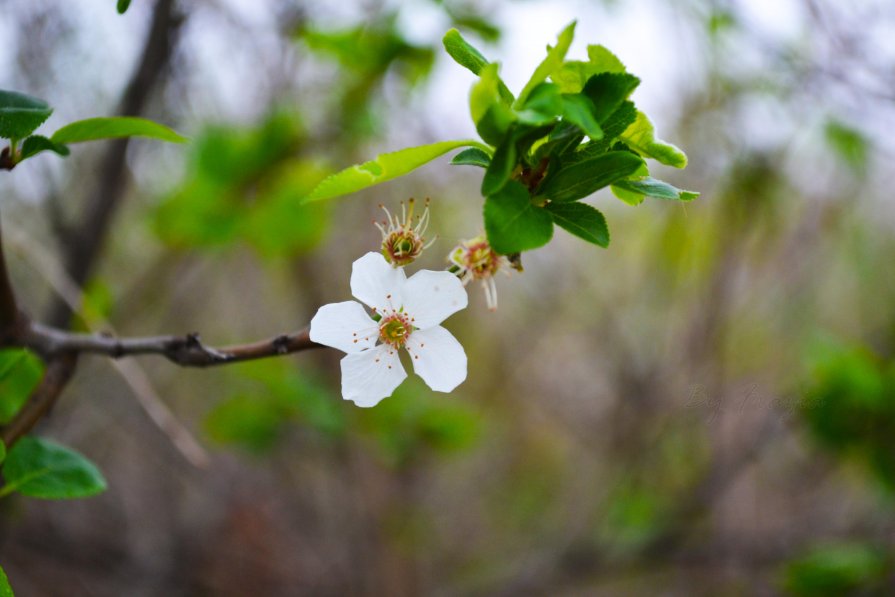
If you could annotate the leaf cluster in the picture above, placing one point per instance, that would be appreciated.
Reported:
(571, 131)
(21, 115)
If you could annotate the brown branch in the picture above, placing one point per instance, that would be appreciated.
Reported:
(186, 351)
(42, 399)
(9, 312)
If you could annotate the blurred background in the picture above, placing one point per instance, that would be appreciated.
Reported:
(705, 408)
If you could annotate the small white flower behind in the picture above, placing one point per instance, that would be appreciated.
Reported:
(409, 311)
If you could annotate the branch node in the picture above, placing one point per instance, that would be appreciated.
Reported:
(281, 344)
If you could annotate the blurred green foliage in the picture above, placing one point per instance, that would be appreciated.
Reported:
(836, 570)
(245, 185)
(413, 424)
(274, 395)
(849, 406)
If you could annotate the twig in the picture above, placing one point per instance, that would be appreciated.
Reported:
(186, 351)
(42, 399)
(131, 371)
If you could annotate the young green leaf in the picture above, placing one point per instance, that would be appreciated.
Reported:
(490, 112)
(582, 220)
(35, 144)
(513, 223)
(472, 156)
(20, 114)
(44, 469)
(632, 198)
(648, 186)
(562, 140)
(607, 91)
(469, 57)
(574, 74)
(612, 127)
(123, 6)
(381, 169)
(551, 63)
(543, 105)
(501, 167)
(95, 129)
(579, 110)
(641, 137)
(463, 53)
(580, 179)
(5, 588)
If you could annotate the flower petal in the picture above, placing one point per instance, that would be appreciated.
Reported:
(345, 326)
(438, 358)
(431, 297)
(371, 375)
(376, 283)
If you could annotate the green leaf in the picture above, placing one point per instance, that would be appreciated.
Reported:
(468, 57)
(2, 452)
(95, 129)
(612, 127)
(641, 137)
(472, 156)
(5, 588)
(648, 186)
(607, 91)
(35, 144)
(513, 223)
(574, 74)
(501, 167)
(582, 220)
(543, 105)
(20, 372)
(123, 6)
(20, 114)
(580, 179)
(602, 60)
(463, 53)
(381, 169)
(490, 112)
(44, 469)
(562, 140)
(579, 110)
(550, 64)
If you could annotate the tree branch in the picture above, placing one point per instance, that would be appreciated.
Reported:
(186, 351)
(9, 312)
(42, 399)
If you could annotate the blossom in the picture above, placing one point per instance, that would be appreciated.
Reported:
(474, 259)
(402, 239)
(408, 312)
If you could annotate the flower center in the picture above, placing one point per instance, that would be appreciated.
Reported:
(476, 257)
(402, 238)
(394, 329)
(402, 246)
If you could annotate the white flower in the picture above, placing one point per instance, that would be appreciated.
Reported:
(409, 311)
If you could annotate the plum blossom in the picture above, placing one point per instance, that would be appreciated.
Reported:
(408, 312)
(474, 259)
